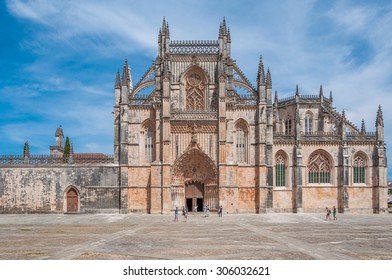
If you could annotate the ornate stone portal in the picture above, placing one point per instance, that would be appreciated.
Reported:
(194, 178)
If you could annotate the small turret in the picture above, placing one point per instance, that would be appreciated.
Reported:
(59, 137)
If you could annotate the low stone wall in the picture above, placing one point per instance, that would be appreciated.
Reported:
(32, 189)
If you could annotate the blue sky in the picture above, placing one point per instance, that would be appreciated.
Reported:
(59, 58)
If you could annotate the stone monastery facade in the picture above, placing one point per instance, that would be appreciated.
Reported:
(195, 131)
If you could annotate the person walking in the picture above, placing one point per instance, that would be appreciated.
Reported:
(176, 214)
(334, 213)
(220, 211)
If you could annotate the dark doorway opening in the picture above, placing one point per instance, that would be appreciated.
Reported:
(199, 204)
(189, 204)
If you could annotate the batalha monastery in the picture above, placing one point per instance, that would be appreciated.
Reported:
(194, 131)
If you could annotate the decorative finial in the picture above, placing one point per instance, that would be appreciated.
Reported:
(296, 90)
(344, 115)
(330, 96)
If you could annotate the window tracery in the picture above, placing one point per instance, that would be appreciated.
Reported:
(194, 88)
(280, 169)
(241, 143)
(359, 169)
(319, 169)
(308, 122)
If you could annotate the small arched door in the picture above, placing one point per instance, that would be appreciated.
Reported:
(72, 201)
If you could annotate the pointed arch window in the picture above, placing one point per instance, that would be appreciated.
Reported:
(280, 169)
(319, 169)
(288, 126)
(241, 143)
(148, 144)
(359, 170)
(308, 122)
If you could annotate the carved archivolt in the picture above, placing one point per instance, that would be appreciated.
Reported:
(194, 165)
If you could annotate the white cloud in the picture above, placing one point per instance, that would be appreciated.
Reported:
(344, 45)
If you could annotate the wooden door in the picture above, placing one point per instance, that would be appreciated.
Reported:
(72, 201)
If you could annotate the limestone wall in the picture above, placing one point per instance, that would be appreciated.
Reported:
(30, 189)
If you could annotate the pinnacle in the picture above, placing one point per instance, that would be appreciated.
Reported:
(260, 72)
(321, 91)
(125, 73)
(296, 90)
(380, 119)
(118, 83)
(269, 79)
(363, 129)
(330, 95)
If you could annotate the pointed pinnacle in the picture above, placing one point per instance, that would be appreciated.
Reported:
(321, 91)
(125, 73)
(260, 72)
(296, 90)
(380, 119)
(276, 97)
(228, 35)
(363, 129)
(117, 85)
(224, 25)
(330, 95)
(344, 114)
(269, 79)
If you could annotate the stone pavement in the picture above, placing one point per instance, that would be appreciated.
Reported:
(236, 236)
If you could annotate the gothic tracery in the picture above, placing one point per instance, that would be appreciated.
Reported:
(194, 92)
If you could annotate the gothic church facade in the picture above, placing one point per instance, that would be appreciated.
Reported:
(194, 131)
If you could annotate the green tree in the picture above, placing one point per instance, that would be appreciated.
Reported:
(67, 150)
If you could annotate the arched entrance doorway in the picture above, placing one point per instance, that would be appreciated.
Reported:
(72, 201)
(194, 180)
(194, 194)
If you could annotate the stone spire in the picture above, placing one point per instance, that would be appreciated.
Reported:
(276, 99)
(330, 96)
(363, 129)
(380, 119)
(228, 35)
(125, 77)
(296, 91)
(344, 115)
(260, 72)
(269, 80)
(130, 83)
(321, 94)
(118, 82)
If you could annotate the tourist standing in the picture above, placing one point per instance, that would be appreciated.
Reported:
(176, 214)
(328, 215)
(334, 213)
(220, 211)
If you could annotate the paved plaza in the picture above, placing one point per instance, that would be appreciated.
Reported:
(235, 236)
